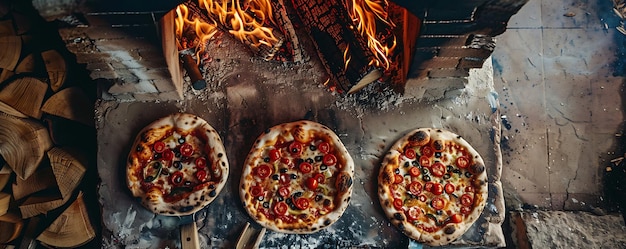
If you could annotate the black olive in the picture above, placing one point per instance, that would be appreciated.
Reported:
(213, 193)
(187, 183)
(293, 206)
(156, 156)
(309, 160)
(139, 148)
(294, 176)
(318, 197)
(283, 170)
(297, 194)
(319, 158)
(267, 159)
(149, 179)
(302, 216)
(260, 198)
(457, 171)
(398, 216)
(449, 167)
(439, 212)
(178, 165)
(468, 174)
(327, 222)
(407, 164)
(447, 176)
(326, 202)
(323, 167)
(299, 161)
(181, 140)
(437, 154)
(280, 198)
(266, 204)
(414, 163)
(275, 177)
(426, 178)
(177, 154)
(397, 171)
(424, 171)
(312, 147)
(294, 150)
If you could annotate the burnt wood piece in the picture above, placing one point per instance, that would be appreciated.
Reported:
(406, 30)
(263, 51)
(292, 46)
(329, 27)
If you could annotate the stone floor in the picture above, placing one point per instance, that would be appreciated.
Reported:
(554, 70)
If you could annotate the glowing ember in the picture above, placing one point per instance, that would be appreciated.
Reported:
(369, 16)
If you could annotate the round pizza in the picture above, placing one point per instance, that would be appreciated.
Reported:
(297, 178)
(177, 165)
(432, 185)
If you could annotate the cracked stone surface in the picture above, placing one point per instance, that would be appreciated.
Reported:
(246, 96)
(561, 102)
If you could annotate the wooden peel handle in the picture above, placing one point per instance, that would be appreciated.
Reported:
(189, 236)
(197, 81)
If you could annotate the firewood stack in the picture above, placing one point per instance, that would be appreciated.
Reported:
(47, 137)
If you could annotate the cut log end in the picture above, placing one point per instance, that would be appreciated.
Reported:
(71, 229)
(71, 103)
(56, 67)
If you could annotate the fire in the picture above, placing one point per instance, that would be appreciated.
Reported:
(192, 33)
(248, 20)
(368, 16)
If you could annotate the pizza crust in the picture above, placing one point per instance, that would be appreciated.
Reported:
(301, 131)
(450, 231)
(183, 124)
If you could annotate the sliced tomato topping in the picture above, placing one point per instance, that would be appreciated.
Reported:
(285, 161)
(449, 188)
(410, 153)
(425, 161)
(320, 178)
(437, 188)
(438, 203)
(176, 178)
(422, 198)
(186, 149)
(329, 160)
(456, 218)
(159, 146)
(302, 203)
(438, 169)
(312, 183)
(201, 175)
(284, 179)
(427, 151)
(323, 147)
(200, 162)
(466, 210)
(462, 162)
(428, 186)
(263, 170)
(415, 188)
(466, 200)
(168, 155)
(284, 191)
(413, 213)
(256, 191)
(398, 179)
(398, 203)
(414, 171)
(295, 148)
(280, 208)
(305, 167)
(274, 154)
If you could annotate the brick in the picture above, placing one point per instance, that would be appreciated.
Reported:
(437, 62)
(125, 76)
(448, 72)
(164, 85)
(471, 62)
(99, 74)
(145, 86)
(465, 52)
(425, 41)
(99, 66)
(126, 44)
(91, 57)
(448, 28)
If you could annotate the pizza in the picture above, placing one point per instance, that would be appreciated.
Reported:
(297, 178)
(177, 165)
(432, 185)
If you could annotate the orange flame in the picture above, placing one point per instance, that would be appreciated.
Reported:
(366, 15)
(247, 20)
(202, 31)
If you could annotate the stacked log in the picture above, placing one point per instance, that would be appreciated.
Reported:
(41, 173)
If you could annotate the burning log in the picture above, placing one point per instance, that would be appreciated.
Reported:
(71, 229)
(343, 53)
(292, 44)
